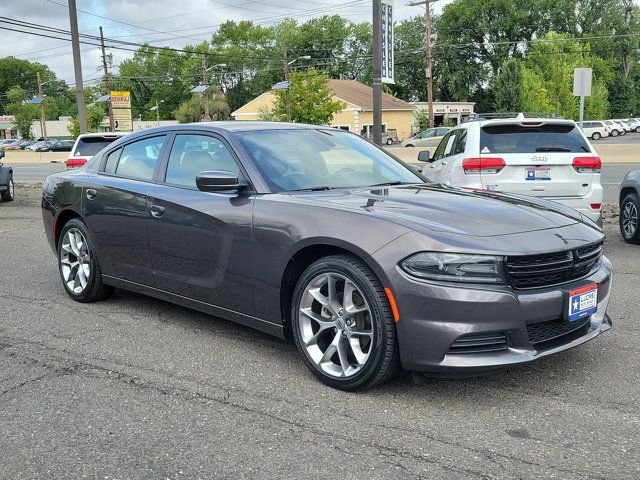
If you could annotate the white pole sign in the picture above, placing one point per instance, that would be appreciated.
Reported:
(387, 41)
(582, 87)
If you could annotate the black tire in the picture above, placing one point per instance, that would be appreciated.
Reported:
(637, 129)
(8, 195)
(629, 206)
(595, 136)
(389, 141)
(384, 359)
(95, 290)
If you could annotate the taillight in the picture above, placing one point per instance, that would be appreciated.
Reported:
(75, 162)
(587, 164)
(483, 165)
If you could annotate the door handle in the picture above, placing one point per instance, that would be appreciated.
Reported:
(91, 193)
(157, 211)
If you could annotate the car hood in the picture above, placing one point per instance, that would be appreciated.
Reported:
(446, 209)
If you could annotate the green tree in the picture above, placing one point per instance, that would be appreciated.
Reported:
(507, 87)
(24, 113)
(622, 97)
(193, 109)
(311, 99)
(95, 116)
(410, 60)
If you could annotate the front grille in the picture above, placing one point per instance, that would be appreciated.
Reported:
(552, 268)
(480, 343)
(553, 329)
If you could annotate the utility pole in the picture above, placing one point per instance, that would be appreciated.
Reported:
(43, 120)
(429, 52)
(107, 84)
(77, 66)
(205, 95)
(286, 77)
(377, 72)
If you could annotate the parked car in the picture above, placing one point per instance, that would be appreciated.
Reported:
(615, 128)
(548, 158)
(7, 190)
(61, 146)
(87, 145)
(5, 144)
(427, 138)
(634, 124)
(630, 207)
(316, 233)
(595, 130)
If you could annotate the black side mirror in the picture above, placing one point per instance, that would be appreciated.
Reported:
(424, 156)
(218, 181)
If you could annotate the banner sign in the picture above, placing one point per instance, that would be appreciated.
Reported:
(120, 99)
(387, 41)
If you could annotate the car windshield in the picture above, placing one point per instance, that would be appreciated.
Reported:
(89, 146)
(515, 138)
(306, 159)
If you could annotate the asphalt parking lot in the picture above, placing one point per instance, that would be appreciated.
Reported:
(134, 387)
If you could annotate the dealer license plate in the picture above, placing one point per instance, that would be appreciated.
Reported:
(537, 173)
(583, 302)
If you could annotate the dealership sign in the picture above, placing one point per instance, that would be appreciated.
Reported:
(121, 107)
(386, 27)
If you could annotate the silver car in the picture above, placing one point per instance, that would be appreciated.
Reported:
(427, 138)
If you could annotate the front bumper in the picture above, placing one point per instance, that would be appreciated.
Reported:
(433, 317)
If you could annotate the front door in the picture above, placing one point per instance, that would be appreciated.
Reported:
(201, 242)
(116, 212)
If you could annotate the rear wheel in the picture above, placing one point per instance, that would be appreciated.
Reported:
(343, 324)
(637, 129)
(595, 136)
(389, 141)
(8, 194)
(629, 219)
(78, 264)
(614, 133)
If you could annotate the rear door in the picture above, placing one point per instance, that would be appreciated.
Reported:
(539, 158)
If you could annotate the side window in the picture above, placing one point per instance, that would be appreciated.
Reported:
(448, 149)
(137, 159)
(439, 153)
(112, 161)
(192, 154)
(428, 134)
(460, 143)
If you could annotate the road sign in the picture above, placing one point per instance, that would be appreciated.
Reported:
(582, 82)
(386, 26)
(120, 99)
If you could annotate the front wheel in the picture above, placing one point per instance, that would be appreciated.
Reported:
(78, 264)
(343, 325)
(629, 222)
(389, 141)
(9, 194)
(614, 133)
(595, 136)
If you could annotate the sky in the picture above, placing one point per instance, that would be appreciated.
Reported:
(173, 23)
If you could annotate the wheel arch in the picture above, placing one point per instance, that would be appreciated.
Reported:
(308, 253)
(61, 220)
(626, 191)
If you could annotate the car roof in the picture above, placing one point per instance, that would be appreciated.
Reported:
(509, 121)
(102, 134)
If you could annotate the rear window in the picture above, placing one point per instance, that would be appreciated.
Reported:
(545, 138)
(89, 146)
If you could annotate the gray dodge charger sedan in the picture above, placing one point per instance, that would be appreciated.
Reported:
(315, 234)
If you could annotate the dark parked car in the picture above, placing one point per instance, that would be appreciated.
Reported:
(62, 146)
(629, 207)
(315, 233)
(6, 181)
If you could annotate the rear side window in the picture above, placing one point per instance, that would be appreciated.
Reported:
(514, 138)
(137, 159)
(89, 146)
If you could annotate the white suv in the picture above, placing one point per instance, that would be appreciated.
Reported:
(548, 158)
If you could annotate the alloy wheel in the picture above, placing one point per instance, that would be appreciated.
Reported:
(75, 261)
(336, 326)
(629, 219)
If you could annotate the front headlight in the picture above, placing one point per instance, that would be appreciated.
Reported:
(454, 267)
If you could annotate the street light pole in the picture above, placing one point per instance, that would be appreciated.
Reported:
(77, 66)
(286, 77)
(157, 109)
(43, 120)
(205, 95)
(107, 84)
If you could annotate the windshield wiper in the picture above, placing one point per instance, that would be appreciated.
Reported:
(552, 149)
(311, 189)
(395, 182)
